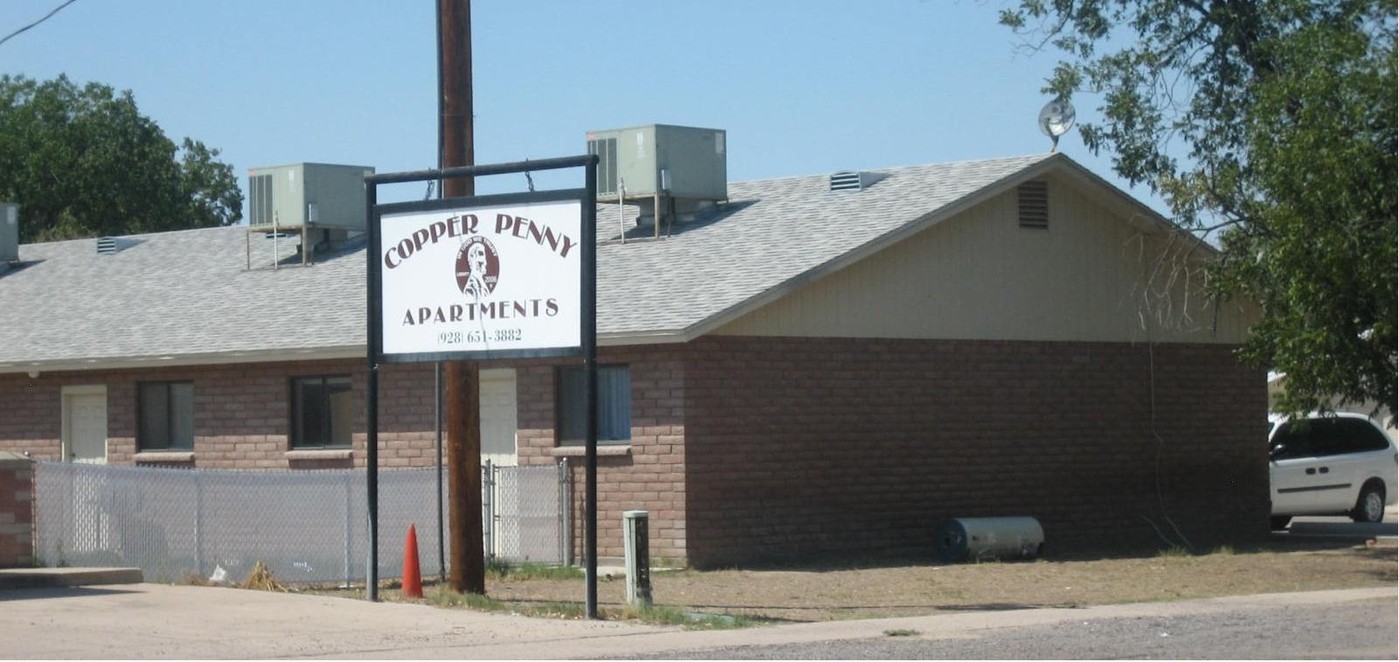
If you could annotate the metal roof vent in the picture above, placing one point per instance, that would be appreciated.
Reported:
(110, 245)
(853, 181)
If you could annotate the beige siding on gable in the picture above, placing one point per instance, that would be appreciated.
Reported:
(1090, 276)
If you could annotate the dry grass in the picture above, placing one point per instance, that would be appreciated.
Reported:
(827, 593)
(260, 579)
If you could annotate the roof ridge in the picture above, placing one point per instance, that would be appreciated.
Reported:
(139, 235)
(1027, 158)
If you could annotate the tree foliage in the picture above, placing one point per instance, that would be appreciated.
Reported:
(1272, 123)
(84, 162)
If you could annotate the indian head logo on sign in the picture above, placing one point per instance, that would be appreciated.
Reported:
(477, 268)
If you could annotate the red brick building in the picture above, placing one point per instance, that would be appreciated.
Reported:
(798, 371)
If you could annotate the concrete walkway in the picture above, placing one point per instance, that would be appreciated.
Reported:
(160, 621)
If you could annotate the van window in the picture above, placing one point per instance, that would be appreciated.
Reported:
(1356, 436)
(1326, 436)
(1293, 439)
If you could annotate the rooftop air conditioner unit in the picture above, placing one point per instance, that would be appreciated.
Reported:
(658, 159)
(299, 195)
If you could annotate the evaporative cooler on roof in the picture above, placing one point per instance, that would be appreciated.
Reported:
(674, 161)
(670, 173)
(300, 195)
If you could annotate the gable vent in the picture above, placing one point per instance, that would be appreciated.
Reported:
(1034, 204)
(852, 181)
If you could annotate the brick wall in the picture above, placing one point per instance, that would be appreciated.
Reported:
(647, 474)
(31, 418)
(242, 415)
(750, 449)
(802, 447)
(16, 510)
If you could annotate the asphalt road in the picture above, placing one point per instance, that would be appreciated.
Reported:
(1358, 630)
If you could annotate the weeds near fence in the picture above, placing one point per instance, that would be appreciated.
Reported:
(446, 598)
(442, 596)
(665, 615)
(501, 569)
(261, 579)
(1178, 552)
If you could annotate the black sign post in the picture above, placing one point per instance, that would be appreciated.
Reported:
(459, 343)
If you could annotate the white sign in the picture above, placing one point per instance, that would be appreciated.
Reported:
(500, 278)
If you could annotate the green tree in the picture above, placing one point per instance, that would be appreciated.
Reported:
(84, 162)
(1273, 124)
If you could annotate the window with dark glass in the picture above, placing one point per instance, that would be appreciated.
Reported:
(322, 412)
(613, 404)
(1322, 437)
(166, 416)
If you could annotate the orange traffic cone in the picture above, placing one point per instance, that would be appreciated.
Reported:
(412, 577)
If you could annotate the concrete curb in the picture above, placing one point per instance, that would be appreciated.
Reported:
(14, 578)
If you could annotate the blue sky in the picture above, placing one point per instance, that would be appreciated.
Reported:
(801, 86)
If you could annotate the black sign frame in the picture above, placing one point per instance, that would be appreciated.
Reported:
(588, 321)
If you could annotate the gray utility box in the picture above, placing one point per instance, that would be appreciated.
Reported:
(660, 159)
(9, 233)
(320, 195)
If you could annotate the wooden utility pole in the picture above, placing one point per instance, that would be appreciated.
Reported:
(460, 378)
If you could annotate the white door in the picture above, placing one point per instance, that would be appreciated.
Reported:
(85, 424)
(85, 442)
(498, 422)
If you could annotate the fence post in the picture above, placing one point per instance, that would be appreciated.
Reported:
(349, 522)
(488, 507)
(198, 524)
(566, 511)
(636, 531)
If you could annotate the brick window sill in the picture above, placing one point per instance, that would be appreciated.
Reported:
(603, 450)
(321, 454)
(163, 457)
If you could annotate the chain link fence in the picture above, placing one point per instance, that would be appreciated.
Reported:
(306, 526)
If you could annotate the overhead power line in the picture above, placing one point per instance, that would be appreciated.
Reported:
(45, 18)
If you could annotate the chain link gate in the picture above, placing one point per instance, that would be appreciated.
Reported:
(526, 513)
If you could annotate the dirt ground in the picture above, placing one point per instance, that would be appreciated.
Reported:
(903, 589)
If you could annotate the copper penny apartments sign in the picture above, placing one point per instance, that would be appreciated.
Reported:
(481, 279)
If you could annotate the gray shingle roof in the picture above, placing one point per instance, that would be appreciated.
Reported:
(176, 294)
(187, 296)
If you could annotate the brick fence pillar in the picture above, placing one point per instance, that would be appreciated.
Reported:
(16, 510)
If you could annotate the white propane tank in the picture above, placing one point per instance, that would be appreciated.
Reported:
(987, 538)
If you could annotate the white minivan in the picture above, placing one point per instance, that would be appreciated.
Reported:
(1336, 464)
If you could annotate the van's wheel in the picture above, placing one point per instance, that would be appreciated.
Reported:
(1279, 522)
(1370, 506)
